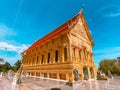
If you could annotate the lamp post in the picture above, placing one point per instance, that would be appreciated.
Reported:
(19, 78)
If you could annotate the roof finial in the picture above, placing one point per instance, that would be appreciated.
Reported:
(81, 10)
(82, 6)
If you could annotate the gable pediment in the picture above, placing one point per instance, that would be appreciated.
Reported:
(80, 30)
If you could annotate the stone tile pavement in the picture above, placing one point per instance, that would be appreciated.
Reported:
(44, 84)
(36, 83)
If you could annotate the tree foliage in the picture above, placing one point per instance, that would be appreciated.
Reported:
(17, 65)
(112, 65)
(5, 67)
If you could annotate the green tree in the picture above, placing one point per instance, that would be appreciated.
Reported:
(17, 65)
(104, 65)
(0, 68)
(5, 67)
(112, 65)
(118, 66)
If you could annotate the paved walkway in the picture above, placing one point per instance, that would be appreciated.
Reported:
(45, 84)
(37, 83)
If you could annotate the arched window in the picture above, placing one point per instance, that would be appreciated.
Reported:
(84, 51)
(56, 56)
(65, 54)
(74, 54)
(37, 59)
(79, 55)
(48, 57)
(42, 59)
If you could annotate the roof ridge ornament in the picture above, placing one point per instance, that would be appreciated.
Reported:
(83, 5)
(82, 8)
(72, 23)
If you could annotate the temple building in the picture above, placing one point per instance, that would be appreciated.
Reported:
(59, 53)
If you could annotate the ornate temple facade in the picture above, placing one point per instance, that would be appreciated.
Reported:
(59, 53)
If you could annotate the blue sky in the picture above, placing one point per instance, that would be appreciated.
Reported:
(24, 21)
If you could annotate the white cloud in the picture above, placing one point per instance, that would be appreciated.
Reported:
(10, 47)
(114, 14)
(110, 11)
(6, 31)
(11, 59)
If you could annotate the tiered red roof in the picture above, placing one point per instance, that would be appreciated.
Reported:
(61, 29)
